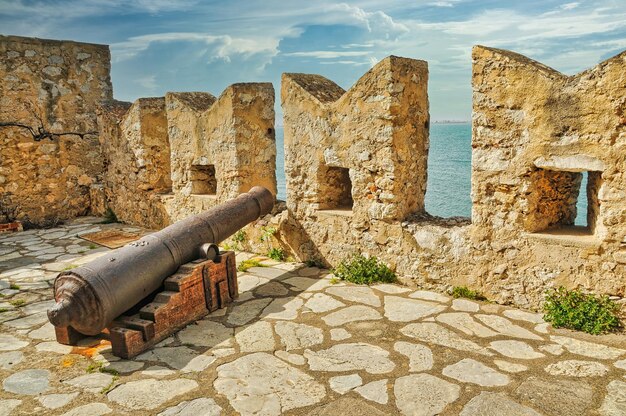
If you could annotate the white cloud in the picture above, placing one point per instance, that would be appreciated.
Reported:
(148, 82)
(483, 24)
(357, 45)
(495, 25)
(327, 54)
(69, 9)
(157, 6)
(613, 43)
(571, 25)
(344, 62)
(224, 45)
(374, 22)
(441, 4)
(569, 6)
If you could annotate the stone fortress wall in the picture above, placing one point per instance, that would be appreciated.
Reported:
(356, 166)
(173, 156)
(60, 83)
(535, 131)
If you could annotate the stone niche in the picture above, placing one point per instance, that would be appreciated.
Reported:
(552, 199)
(174, 156)
(203, 181)
(58, 84)
(335, 188)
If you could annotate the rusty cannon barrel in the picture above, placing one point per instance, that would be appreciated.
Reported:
(90, 297)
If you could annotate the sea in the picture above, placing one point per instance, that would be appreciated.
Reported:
(449, 172)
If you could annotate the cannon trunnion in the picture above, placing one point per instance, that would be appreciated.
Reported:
(172, 277)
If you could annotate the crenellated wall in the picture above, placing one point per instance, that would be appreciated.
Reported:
(535, 131)
(363, 151)
(58, 84)
(174, 156)
(355, 161)
(356, 164)
(220, 147)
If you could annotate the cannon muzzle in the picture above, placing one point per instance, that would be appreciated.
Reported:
(90, 297)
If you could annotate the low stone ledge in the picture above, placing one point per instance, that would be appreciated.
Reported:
(567, 236)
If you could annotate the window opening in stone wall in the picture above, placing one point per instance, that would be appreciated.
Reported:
(581, 202)
(563, 202)
(335, 189)
(203, 181)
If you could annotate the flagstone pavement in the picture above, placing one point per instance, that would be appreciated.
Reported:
(298, 343)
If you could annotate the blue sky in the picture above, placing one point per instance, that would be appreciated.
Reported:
(192, 45)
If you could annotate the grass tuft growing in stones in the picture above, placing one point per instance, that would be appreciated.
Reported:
(582, 312)
(108, 388)
(93, 367)
(246, 264)
(110, 371)
(277, 254)
(13, 286)
(467, 293)
(240, 237)
(364, 271)
(17, 302)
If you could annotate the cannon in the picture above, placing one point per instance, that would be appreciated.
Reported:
(89, 298)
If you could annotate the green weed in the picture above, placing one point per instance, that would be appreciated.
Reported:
(267, 233)
(111, 371)
(240, 236)
(17, 302)
(363, 270)
(93, 367)
(576, 310)
(277, 254)
(246, 264)
(110, 386)
(467, 293)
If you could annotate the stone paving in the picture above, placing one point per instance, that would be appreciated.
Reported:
(298, 343)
